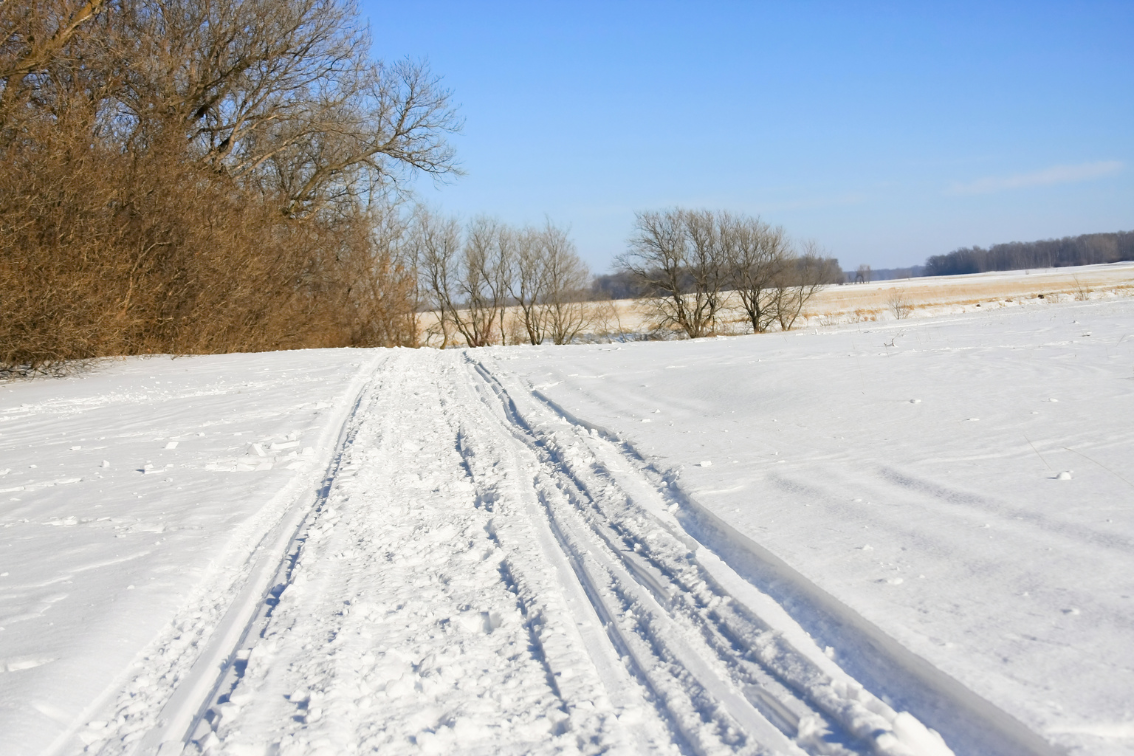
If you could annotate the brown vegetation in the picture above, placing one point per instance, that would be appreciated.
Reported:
(187, 177)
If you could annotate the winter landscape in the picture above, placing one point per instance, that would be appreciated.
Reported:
(590, 378)
(904, 537)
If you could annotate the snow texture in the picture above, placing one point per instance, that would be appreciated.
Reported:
(813, 547)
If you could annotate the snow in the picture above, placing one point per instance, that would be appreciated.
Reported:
(976, 554)
(903, 538)
(118, 549)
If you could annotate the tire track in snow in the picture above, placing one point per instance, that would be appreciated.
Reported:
(708, 657)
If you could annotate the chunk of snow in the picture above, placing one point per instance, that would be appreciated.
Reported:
(918, 738)
(171, 445)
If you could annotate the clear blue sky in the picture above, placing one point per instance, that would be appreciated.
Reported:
(885, 132)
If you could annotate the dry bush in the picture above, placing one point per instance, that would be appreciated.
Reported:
(899, 304)
(1082, 293)
(185, 177)
(109, 254)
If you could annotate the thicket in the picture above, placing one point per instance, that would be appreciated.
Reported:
(686, 263)
(1088, 249)
(179, 176)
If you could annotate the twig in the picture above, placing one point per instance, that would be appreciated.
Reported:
(1100, 464)
(1049, 467)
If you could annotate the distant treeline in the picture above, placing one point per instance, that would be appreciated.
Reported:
(1088, 249)
(890, 274)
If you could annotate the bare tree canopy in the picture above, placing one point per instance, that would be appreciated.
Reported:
(565, 287)
(675, 255)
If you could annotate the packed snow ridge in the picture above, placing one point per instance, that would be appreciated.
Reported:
(906, 539)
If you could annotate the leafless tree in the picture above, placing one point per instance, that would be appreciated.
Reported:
(283, 95)
(178, 175)
(566, 278)
(676, 258)
(468, 280)
(436, 243)
(757, 255)
(799, 280)
(528, 282)
(686, 261)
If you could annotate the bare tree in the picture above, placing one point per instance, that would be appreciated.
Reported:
(685, 261)
(283, 95)
(566, 279)
(757, 255)
(178, 175)
(528, 282)
(799, 280)
(467, 281)
(675, 257)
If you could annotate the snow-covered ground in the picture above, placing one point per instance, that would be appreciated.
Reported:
(911, 538)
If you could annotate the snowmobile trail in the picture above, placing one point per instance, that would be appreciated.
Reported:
(485, 573)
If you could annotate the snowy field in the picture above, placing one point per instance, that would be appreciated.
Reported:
(913, 537)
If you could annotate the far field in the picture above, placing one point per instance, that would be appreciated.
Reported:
(875, 301)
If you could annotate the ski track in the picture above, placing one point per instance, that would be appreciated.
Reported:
(161, 685)
(484, 573)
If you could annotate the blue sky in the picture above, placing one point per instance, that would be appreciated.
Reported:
(886, 132)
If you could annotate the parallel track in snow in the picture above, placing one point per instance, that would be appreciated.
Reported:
(724, 677)
(725, 662)
(216, 664)
(651, 631)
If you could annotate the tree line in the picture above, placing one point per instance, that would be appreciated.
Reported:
(690, 270)
(182, 176)
(1088, 249)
